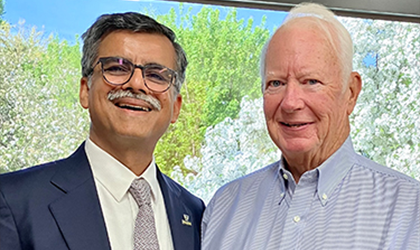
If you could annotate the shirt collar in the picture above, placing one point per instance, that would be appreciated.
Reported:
(113, 175)
(329, 174)
(334, 169)
(286, 177)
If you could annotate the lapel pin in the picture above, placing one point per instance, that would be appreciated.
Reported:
(186, 220)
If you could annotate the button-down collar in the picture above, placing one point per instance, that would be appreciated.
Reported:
(334, 169)
(329, 174)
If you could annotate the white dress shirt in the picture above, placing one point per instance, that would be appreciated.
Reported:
(113, 180)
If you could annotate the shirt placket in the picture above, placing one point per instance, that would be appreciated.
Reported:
(296, 217)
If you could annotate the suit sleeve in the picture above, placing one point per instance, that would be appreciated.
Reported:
(9, 237)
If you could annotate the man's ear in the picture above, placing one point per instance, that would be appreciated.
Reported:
(84, 92)
(354, 88)
(177, 108)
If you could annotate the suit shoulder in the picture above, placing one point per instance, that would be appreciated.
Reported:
(29, 174)
(34, 174)
(29, 187)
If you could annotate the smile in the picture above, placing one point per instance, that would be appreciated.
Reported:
(126, 99)
(132, 107)
(297, 125)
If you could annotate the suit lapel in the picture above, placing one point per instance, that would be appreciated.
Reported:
(179, 215)
(78, 213)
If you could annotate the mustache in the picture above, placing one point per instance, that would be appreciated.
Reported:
(121, 93)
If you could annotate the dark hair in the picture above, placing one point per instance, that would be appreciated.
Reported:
(130, 21)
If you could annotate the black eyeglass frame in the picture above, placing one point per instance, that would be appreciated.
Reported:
(134, 66)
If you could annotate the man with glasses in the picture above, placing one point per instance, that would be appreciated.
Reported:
(110, 193)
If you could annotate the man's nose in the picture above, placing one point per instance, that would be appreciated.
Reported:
(137, 82)
(293, 97)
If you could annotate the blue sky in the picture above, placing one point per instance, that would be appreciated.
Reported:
(66, 18)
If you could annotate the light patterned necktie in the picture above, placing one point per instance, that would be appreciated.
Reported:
(145, 236)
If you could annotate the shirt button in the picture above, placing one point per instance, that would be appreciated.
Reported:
(296, 219)
(285, 176)
(324, 197)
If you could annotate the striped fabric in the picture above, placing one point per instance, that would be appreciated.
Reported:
(349, 202)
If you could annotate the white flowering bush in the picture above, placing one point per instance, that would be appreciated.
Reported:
(40, 118)
(231, 149)
(385, 122)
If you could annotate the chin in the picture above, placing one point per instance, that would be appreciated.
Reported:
(298, 145)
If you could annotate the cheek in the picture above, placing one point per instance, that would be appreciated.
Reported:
(270, 105)
(165, 101)
(330, 113)
(323, 104)
(97, 96)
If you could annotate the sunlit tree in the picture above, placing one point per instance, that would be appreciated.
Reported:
(1, 10)
(223, 59)
(40, 119)
(231, 149)
(385, 123)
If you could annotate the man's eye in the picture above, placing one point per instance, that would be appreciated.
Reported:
(155, 76)
(117, 69)
(274, 83)
(312, 82)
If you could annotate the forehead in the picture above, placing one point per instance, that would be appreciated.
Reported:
(140, 48)
(300, 41)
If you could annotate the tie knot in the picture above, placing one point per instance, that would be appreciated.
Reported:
(140, 190)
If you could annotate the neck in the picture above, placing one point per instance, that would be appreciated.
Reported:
(136, 155)
(299, 163)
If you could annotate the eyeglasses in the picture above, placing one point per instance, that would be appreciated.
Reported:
(118, 71)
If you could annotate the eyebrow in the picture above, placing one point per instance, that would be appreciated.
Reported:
(121, 59)
(155, 64)
(275, 73)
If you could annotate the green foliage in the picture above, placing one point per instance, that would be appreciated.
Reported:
(40, 117)
(223, 67)
(1, 10)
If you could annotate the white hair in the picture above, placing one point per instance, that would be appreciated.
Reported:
(336, 34)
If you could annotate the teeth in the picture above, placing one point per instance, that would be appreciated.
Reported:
(294, 125)
(137, 108)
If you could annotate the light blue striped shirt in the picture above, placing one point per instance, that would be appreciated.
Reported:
(349, 202)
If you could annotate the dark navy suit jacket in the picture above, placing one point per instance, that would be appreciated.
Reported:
(55, 206)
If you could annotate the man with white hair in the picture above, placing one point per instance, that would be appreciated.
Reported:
(321, 194)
